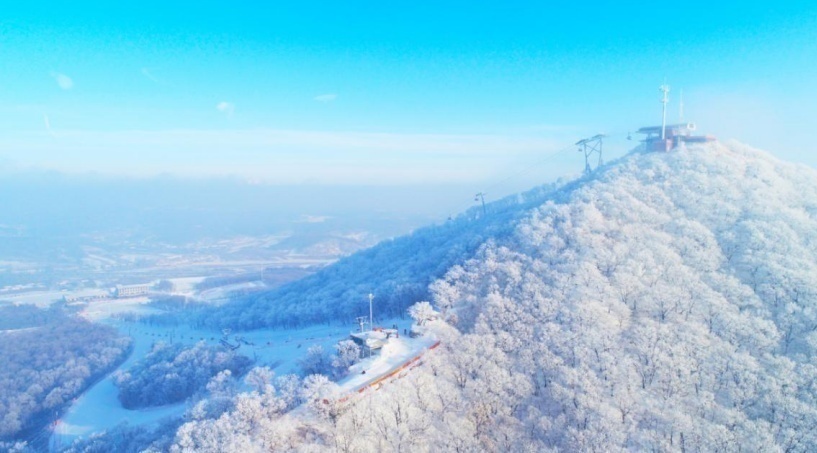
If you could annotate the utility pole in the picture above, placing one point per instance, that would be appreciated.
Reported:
(589, 146)
(481, 197)
(664, 100)
(371, 318)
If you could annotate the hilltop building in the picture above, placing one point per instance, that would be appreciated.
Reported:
(85, 296)
(667, 137)
(675, 135)
(372, 341)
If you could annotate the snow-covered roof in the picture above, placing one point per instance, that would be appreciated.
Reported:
(372, 339)
(657, 129)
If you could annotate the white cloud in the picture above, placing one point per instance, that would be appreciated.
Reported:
(63, 80)
(226, 107)
(326, 97)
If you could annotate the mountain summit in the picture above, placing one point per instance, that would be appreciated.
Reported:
(668, 301)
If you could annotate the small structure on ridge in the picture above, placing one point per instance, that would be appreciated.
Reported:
(668, 137)
(674, 135)
(371, 341)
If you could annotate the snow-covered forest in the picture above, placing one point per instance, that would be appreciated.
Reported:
(170, 373)
(665, 303)
(47, 361)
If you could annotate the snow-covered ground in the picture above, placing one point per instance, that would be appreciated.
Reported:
(106, 308)
(38, 298)
(223, 293)
(99, 409)
(186, 286)
(44, 298)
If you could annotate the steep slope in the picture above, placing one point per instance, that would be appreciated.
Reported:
(396, 271)
(670, 303)
(666, 303)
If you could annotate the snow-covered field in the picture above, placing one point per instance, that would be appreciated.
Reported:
(223, 293)
(44, 298)
(38, 298)
(186, 286)
(99, 408)
(106, 308)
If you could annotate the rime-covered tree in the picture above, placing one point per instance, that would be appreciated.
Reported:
(422, 312)
(316, 361)
(347, 354)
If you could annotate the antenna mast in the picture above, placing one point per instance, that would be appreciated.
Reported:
(664, 100)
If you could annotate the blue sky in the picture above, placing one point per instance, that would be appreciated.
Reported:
(388, 93)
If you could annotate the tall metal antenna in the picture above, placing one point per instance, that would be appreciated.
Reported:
(664, 100)
(589, 146)
(481, 197)
(371, 318)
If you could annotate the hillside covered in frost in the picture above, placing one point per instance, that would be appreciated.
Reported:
(397, 271)
(666, 303)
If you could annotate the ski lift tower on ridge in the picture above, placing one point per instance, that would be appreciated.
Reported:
(590, 146)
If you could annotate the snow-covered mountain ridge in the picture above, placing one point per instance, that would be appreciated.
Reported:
(667, 302)
(670, 303)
